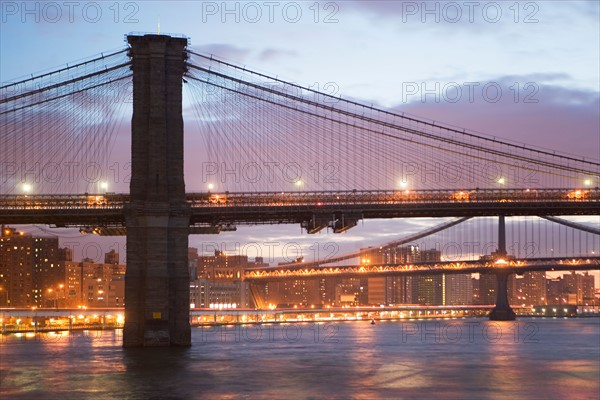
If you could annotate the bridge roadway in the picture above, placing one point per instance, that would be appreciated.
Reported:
(315, 210)
(486, 265)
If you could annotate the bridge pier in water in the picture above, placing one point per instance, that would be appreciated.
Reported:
(502, 311)
(157, 216)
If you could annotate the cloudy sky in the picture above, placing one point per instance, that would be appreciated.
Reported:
(543, 56)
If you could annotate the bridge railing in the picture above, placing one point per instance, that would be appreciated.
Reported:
(312, 199)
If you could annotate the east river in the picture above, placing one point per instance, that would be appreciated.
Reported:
(532, 358)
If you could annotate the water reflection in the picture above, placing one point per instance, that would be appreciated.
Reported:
(541, 358)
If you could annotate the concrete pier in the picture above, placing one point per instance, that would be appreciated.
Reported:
(502, 311)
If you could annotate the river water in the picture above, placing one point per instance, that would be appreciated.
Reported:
(453, 359)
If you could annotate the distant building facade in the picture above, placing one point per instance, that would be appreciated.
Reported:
(218, 280)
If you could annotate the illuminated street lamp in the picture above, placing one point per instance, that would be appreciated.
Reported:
(54, 300)
(27, 188)
(103, 186)
(501, 181)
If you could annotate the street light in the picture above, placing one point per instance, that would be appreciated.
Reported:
(54, 303)
(103, 186)
(27, 188)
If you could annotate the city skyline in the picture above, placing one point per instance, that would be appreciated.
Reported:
(37, 272)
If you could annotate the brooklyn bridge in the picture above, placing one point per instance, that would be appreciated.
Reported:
(370, 165)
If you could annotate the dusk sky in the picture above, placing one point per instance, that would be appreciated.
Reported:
(544, 56)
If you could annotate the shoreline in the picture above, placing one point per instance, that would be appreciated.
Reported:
(99, 328)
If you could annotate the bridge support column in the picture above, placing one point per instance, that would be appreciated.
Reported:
(502, 311)
(157, 218)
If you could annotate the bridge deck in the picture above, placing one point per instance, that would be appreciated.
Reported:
(460, 267)
(298, 207)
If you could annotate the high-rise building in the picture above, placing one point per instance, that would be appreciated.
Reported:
(578, 288)
(458, 289)
(487, 289)
(426, 289)
(48, 272)
(206, 293)
(377, 293)
(351, 291)
(430, 289)
(327, 290)
(399, 290)
(554, 291)
(88, 284)
(219, 281)
(475, 285)
(16, 268)
(295, 292)
(403, 289)
(222, 267)
(533, 286)
(573, 288)
(35, 272)
(588, 289)
(29, 268)
(112, 257)
(65, 254)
